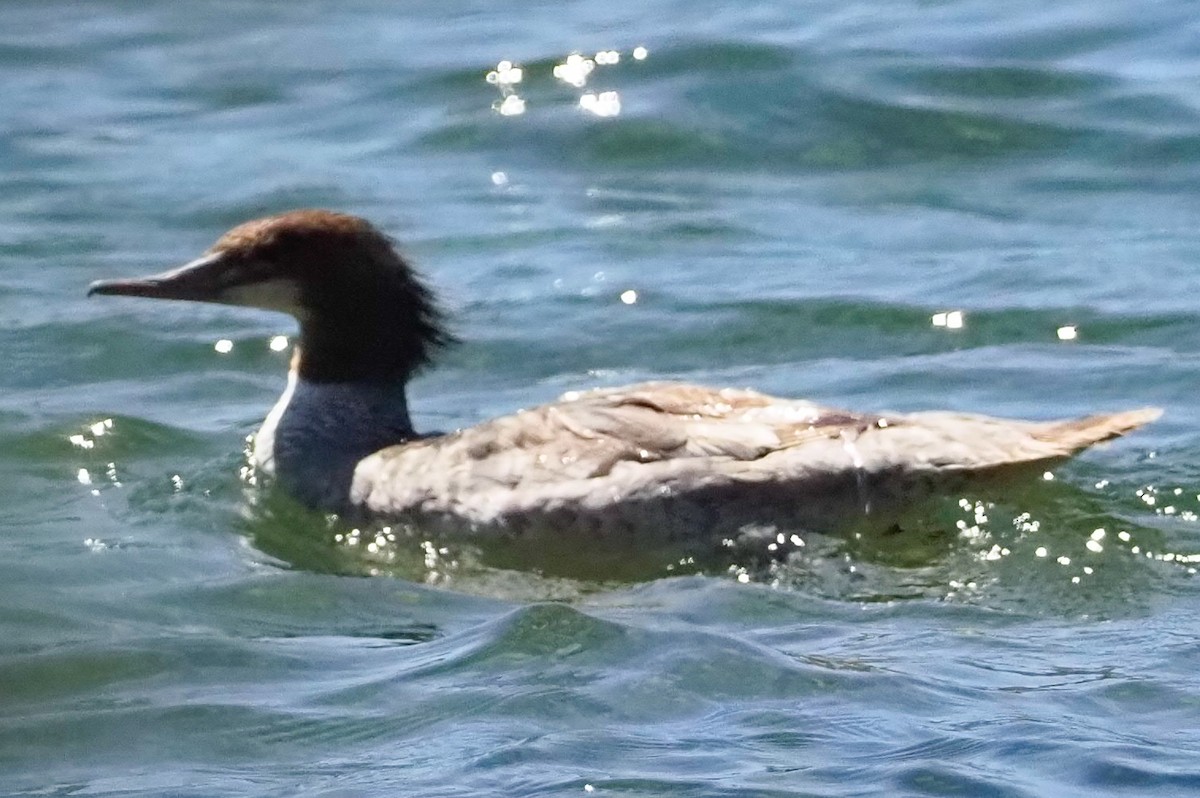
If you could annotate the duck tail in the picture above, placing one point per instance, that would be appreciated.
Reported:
(1080, 433)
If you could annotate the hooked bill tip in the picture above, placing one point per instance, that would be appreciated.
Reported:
(106, 287)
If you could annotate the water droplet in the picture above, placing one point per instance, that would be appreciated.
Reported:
(512, 105)
(606, 103)
(575, 70)
(951, 319)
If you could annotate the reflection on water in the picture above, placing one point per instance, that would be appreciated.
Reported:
(576, 71)
(978, 548)
(1038, 542)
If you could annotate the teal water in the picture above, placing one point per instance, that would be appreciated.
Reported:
(794, 191)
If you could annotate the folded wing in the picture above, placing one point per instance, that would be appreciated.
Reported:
(603, 448)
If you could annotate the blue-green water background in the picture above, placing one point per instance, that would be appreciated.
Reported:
(793, 190)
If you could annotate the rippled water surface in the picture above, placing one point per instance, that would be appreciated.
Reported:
(888, 206)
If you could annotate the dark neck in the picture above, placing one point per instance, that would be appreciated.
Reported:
(373, 339)
(319, 431)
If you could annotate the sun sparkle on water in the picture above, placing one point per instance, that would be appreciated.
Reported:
(575, 70)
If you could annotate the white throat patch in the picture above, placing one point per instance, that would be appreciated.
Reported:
(278, 293)
(264, 440)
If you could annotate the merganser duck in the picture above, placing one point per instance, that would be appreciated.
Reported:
(679, 459)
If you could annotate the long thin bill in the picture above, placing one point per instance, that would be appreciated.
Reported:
(202, 280)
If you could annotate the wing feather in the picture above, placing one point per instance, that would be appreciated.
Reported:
(601, 452)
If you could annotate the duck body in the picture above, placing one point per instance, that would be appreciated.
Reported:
(681, 460)
(678, 460)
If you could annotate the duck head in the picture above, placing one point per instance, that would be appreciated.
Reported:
(364, 313)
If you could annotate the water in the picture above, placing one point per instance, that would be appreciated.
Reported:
(793, 191)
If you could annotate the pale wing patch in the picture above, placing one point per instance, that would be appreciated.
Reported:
(596, 451)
